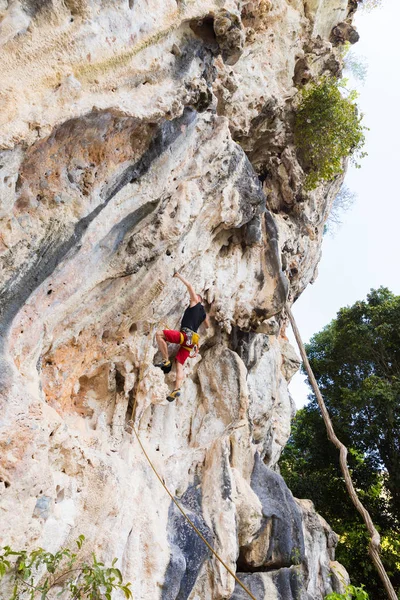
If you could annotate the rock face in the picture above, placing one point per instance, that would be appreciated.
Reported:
(138, 138)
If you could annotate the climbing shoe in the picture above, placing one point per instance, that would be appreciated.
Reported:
(164, 365)
(173, 395)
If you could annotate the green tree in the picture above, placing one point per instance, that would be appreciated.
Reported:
(356, 361)
(327, 130)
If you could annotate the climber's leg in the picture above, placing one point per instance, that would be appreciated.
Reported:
(162, 337)
(180, 359)
(179, 375)
(162, 344)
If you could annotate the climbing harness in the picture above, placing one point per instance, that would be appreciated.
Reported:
(131, 424)
(192, 341)
(189, 340)
(194, 350)
(374, 544)
(192, 338)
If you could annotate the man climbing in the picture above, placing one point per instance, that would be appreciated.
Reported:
(187, 337)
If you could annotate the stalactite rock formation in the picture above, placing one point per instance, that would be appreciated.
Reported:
(138, 137)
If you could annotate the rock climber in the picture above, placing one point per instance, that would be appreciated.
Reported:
(187, 337)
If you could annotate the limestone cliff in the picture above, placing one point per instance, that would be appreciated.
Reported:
(138, 137)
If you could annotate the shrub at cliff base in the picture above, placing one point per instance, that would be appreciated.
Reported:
(327, 130)
(351, 593)
(34, 575)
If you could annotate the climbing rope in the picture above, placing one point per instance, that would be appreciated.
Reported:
(131, 424)
(374, 545)
(179, 507)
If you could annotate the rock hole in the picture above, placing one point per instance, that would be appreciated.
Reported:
(168, 253)
(6, 483)
(119, 383)
(60, 494)
(49, 292)
(133, 328)
(129, 408)
(204, 29)
(223, 251)
(230, 452)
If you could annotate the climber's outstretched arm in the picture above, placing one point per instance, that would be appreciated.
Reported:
(194, 299)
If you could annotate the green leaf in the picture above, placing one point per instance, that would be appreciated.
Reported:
(127, 591)
(117, 573)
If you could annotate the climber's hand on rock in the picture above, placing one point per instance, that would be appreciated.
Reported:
(176, 274)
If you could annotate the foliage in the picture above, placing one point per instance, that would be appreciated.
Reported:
(368, 5)
(356, 361)
(32, 575)
(356, 65)
(343, 201)
(327, 130)
(351, 593)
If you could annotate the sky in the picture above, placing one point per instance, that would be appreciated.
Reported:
(365, 252)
